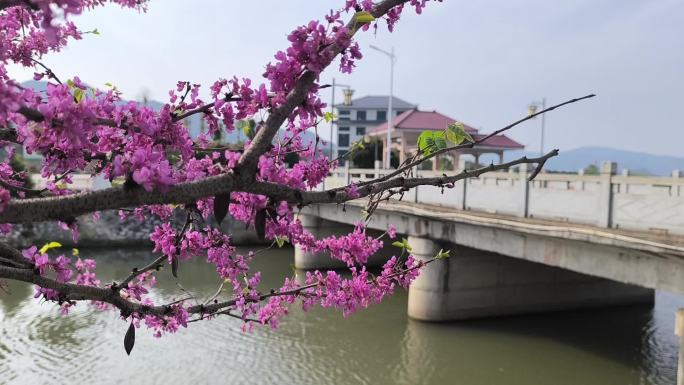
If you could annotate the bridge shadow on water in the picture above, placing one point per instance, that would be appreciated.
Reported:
(616, 345)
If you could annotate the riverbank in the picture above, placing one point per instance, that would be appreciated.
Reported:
(109, 231)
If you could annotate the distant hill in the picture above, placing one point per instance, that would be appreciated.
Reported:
(194, 122)
(638, 162)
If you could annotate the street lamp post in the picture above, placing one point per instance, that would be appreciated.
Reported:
(332, 111)
(532, 108)
(393, 58)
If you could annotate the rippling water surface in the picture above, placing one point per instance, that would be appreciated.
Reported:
(629, 345)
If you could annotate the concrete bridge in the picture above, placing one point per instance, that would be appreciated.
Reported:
(563, 241)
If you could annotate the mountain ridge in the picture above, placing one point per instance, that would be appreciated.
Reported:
(634, 161)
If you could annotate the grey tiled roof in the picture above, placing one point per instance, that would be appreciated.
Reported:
(376, 102)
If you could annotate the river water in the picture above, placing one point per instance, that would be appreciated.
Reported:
(622, 346)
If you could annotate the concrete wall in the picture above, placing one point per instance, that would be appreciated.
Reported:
(477, 284)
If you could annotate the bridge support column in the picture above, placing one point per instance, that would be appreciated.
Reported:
(524, 203)
(427, 294)
(608, 169)
(321, 228)
(478, 284)
(679, 331)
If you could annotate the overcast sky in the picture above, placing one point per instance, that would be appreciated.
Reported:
(481, 62)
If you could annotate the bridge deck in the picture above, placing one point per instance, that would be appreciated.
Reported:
(653, 260)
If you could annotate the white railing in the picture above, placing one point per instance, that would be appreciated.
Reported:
(81, 182)
(606, 200)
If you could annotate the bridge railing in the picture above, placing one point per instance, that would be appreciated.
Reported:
(606, 200)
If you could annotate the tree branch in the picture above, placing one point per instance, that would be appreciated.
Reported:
(71, 206)
(74, 292)
(262, 141)
(14, 3)
(284, 193)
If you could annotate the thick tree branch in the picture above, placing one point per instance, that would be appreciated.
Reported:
(262, 141)
(8, 135)
(71, 206)
(13, 3)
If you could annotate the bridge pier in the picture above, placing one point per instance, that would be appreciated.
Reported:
(478, 284)
(679, 331)
(321, 228)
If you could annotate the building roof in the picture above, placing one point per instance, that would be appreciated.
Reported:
(499, 141)
(376, 102)
(422, 120)
(414, 120)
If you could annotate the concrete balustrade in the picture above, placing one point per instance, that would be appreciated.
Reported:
(607, 200)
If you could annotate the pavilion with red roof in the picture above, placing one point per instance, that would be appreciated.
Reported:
(410, 124)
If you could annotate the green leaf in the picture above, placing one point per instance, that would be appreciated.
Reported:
(426, 141)
(440, 140)
(457, 134)
(403, 244)
(329, 117)
(363, 17)
(111, 86)
(442, 254)
(95, 32)
(70, 83)
(247, 127)
(78, 95)
(281, 240)
(48, 246)
(358, 145)
(118, 182)
(431, 141)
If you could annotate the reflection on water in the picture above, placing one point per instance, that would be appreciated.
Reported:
(629, 345)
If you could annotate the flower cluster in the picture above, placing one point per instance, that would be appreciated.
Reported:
(77, 128)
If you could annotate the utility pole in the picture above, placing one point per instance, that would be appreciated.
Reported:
(390, 114)
(541, 146)
(332, 121)
(332, 111)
